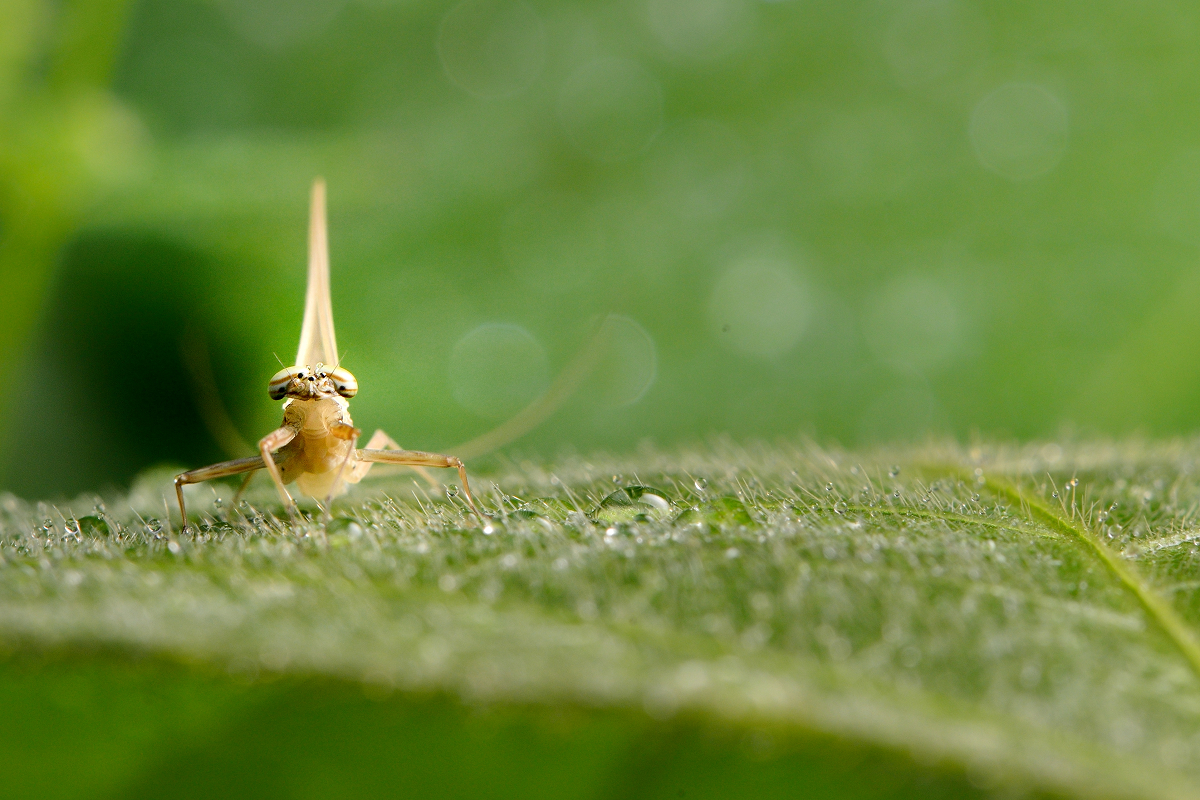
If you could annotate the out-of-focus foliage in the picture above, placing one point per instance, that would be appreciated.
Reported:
(860, 220)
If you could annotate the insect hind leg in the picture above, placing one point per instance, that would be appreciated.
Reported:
(221, 470)
(416, 458)
(381, 441)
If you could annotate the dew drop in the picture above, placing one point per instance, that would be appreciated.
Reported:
(1054, 494)
(839, 507)
(894, 471)
(451, 492)
(701, 484)
(829, 487)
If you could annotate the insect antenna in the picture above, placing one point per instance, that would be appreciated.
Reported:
(562, 387)
(213, 413)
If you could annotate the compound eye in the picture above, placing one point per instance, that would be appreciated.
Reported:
(344, 382)
(279, 384)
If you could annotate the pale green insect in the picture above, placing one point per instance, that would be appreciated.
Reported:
(316, 445)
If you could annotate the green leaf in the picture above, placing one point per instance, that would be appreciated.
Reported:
(919, 623)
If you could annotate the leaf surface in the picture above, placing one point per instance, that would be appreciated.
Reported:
(1027, 616)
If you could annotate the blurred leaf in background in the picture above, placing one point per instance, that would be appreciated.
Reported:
(862, 221)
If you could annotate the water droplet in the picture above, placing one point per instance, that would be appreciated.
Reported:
(975, 498)
(896, 494)
(93, 526)
(894, 471)
(701, 484)
(488, 530)
(610, 532)
(48, 524)
(1071, 484)
(451, 492)
(1054, 494)
(839, 507)
(829, 487)
(99, 508)
(218, 502)
(618, 480)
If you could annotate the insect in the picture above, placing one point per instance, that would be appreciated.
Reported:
(316, 446)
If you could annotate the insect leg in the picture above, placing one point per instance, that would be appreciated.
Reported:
(347, 433)
(415, 458)
(268, 444)
(222, 470)
(242, 489)
(381, 441)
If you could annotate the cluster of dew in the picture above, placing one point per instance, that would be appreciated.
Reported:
(888, 572)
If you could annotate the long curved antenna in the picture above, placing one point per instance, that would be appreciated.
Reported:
(528, 418)
(213, 412)
(317, 341)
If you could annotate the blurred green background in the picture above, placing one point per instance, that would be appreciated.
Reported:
(859, 221)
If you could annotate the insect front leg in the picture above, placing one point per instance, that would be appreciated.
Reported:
(416, 458)
(222, 470)
(267, 445)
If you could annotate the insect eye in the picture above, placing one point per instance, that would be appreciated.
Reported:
(278, 386)
(344, 382)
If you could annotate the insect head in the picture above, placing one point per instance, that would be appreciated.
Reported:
(311, 383)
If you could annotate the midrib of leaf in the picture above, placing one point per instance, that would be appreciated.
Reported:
(1158, 608)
